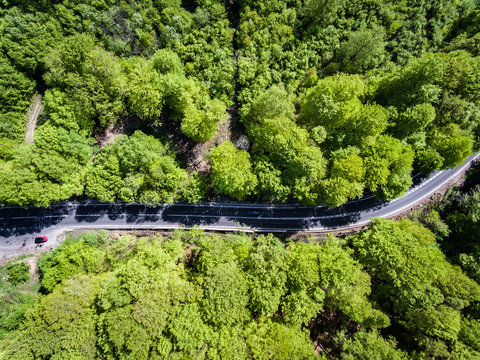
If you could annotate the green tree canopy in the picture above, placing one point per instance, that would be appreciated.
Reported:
(135, 168)
(232, 171)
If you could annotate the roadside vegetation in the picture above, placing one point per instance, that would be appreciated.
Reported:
(387, 292)
(329, 98)
(320, 101)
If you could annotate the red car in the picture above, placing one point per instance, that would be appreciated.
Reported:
(40, 239)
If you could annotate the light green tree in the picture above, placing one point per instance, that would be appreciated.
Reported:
(232, 171)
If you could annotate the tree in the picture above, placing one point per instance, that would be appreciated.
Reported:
(135, 168)
(414, 119)
(199, 115)
(27, 37)
(388, 259)
(304, 299)
(432, 221)
(415, 282)
(165, 178)
(63, 113)
(364, 49)
(451, 144)
(270, 183)
(442, 322)
(266, 268)
(189, 333)
(416, 83)
(231, 171)
(91, 77)
(327, 274)
(416, 273)
(18, 273)
(462, 75)
(166, 61)
(67, 261)
(279, 138)
(428, 160)
(145, 91)
(70, 309)
(461, 212)
(370, 346)
(322, 11)
(347, 285)
(225, 295)
(466, 114)
(200, 123)
(195, 189)
(334, 103)
(336, 191)
(275, 102)
(51, 169)
(388, 164)
(16, 90)
(470, 332)
(346, 177)
(278, 341)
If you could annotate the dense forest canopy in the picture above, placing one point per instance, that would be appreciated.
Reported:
(313, 101)
(387, 292)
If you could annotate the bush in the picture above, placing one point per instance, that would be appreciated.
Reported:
(18, 273)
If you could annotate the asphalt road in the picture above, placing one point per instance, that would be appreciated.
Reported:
(18, 226)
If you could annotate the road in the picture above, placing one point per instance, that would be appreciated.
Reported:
(18, 226)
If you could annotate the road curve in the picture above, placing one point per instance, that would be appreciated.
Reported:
(18, 226)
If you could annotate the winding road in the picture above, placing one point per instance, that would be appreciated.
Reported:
(18, 226)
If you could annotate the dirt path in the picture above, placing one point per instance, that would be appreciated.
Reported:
(110, 133)
(34, 111)
(229, 129)
(197, 160)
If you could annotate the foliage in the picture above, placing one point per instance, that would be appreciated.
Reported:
(388, 166)
(91, 81)
(271, 339)
(370, 345)
(67, 261)
(51, 169)
(316, 84)
(27, 37)
(431, 219)
(162, 81)
(415, 282)
(17, 295)
(18, 273)
(231, 171)
(195, 188)
(135, 168)
(154, 302)
(336, 98)
(363, 50)
(210, 296)
(460, 212)
(16, 90)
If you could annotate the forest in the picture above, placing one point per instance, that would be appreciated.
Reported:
(315, 102)
(310, 101)
(397, 290)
